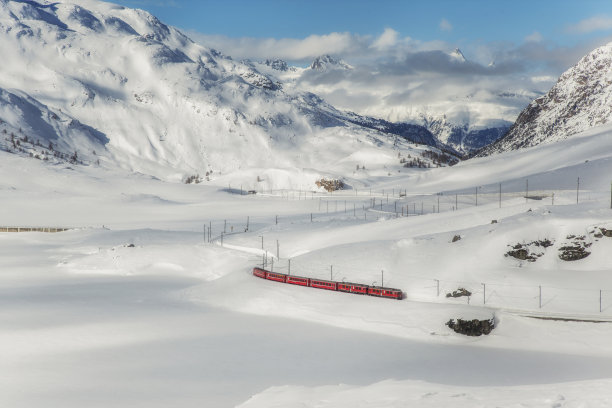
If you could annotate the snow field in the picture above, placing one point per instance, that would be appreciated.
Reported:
(135, 307)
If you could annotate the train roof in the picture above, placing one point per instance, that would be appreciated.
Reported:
(385, 288)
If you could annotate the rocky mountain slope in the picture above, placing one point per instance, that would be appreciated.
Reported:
(143, 96)
(581, 99)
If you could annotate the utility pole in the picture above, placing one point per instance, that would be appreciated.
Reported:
(540, 296)
(277, 250)
(382, 278)
(331, 272)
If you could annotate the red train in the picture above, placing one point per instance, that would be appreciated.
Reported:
(348, 287)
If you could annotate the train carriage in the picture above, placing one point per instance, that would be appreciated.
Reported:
(353, 288)
(259, 272)
(298, 280)
(323, 284)
(278, 277)
(380, 291)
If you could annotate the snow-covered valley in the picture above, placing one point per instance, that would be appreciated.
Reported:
(135, 307)
(172, 170)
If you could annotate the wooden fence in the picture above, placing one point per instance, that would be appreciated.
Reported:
(33, 229)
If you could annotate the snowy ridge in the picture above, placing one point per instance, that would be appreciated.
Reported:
(24, 122)
(580, 100)
(327, 62)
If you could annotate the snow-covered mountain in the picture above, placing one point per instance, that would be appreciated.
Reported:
(30, 127)
(145, 97)
(326, 62)
(581, 99)
(464, 117)
(460, 136)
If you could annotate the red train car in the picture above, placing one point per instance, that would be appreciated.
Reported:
(259, 272)
(297, 280)
(385, 292)
(323, 284)
(278, 277)
(353, 288)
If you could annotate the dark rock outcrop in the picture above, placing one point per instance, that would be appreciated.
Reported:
(473, 327)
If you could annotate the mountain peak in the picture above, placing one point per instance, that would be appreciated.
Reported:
(325, 62)
(457, 55)
(277, 64)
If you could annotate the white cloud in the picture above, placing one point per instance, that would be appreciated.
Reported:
(597, 23)
(445, 25)
(287, 48)
(534, 37)
(386, 40)
(394, 75)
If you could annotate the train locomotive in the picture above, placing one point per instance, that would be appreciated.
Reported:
(348, 287)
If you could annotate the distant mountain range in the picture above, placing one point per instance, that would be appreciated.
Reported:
(463, 124)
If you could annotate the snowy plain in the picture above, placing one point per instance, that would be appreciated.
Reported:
(137, 307)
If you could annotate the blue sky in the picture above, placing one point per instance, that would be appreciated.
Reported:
(461, 22)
